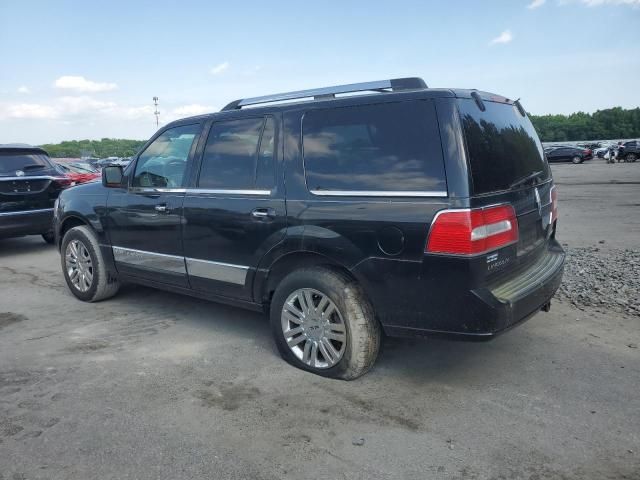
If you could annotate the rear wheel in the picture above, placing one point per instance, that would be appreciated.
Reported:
(576, 160)
(323, 323)
(631, 157)
(84, 267)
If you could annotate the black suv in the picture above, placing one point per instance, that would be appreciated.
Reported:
(29, 185)
(407, 211)
(629, 151)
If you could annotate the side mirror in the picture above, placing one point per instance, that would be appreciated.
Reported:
(112, 176)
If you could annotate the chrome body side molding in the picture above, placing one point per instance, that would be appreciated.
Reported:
(152, 260)
(222, 272)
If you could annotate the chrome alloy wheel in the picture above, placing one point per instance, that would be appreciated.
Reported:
(79, 265)
(313, 328)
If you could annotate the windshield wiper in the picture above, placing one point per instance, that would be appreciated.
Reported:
(33, 167)
(525, 179)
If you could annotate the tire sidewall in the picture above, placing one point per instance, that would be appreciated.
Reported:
(78, 233)
(318, 280)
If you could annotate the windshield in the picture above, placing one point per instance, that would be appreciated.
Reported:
(28, 163)
(502, 145)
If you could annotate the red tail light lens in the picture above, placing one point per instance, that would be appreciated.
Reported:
(554, 204)
(474, 231)
(64, 182)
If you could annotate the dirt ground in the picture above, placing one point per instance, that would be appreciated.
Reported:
(153, 385)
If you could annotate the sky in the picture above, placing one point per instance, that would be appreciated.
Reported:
(71, 70)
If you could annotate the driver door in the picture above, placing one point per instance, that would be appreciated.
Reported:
(144, 218)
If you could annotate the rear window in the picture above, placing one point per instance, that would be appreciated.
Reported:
(502, 145)
(25, 162)
(387, 147)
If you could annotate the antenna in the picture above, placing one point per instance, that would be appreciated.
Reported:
(156, 112)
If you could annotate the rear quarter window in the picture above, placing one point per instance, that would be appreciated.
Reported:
(386, 147)
(502, 145)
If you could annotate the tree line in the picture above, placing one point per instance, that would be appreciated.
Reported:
(609, 124)
(612, 123)
(105, 147)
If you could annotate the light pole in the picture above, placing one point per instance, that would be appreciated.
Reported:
(156, 112)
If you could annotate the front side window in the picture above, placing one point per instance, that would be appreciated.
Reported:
(164, 162)
(388, 147)
(239, 155)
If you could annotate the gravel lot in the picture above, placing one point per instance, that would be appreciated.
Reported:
(153, 385)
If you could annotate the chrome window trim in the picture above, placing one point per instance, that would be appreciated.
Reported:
(156, 190)
(375, 193)
(223, 272)
(156, 261)
(25, 212)
(223, 191)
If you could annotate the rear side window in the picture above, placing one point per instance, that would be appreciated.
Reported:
(239, 155)
(28, 163)
(502, 145)
(387, 147)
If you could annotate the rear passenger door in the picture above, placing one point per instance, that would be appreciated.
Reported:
(235, 211)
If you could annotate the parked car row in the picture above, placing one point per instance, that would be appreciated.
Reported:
(628, 151)
(561, 153)
(79, 172)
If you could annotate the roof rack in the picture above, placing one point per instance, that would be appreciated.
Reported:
(394, 85)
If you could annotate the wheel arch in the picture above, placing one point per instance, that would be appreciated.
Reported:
(292, 261)
(68, 223)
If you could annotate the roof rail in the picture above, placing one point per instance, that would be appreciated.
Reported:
(395, 84)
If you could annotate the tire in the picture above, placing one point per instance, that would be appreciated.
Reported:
(102, 284)
(362, 332)
(631, 157)
(49, 237)
(576, 160)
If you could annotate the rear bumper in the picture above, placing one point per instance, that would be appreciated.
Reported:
(30, 222)
(438, 303)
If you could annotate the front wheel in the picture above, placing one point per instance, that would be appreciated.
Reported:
(322, 322)
(84, 267)
(631, 157)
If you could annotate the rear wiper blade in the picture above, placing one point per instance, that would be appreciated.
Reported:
(528, 178)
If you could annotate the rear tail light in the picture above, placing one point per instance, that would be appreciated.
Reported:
(587, 152)
(64, 182)
(473, 231)
(554, 205)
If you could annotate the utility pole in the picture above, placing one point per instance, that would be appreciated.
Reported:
(156, 113)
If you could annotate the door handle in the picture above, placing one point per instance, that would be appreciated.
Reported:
(161, 208)
(263, 213)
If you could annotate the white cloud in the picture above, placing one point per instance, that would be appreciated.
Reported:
(74, 108)
(23, 89)
(192, 109)
(504, 37)
(536, 4)
(220, 68)
(28, 110)
(81, 84)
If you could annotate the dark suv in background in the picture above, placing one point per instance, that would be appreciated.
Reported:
(408, 211)
(29, 185)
